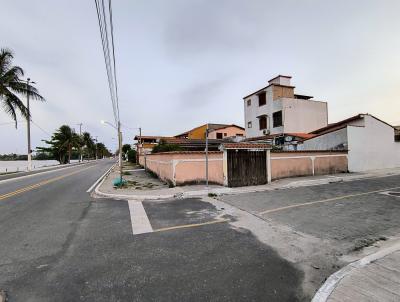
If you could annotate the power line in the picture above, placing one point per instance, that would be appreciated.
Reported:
(44, 131)
(109, 61)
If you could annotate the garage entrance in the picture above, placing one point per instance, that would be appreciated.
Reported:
(246, 167)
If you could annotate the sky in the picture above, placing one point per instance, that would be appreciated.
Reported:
(182, 63)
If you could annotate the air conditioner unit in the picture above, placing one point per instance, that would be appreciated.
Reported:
(266, 132)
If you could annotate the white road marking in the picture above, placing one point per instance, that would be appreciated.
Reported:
(140, 221)
(100, 178)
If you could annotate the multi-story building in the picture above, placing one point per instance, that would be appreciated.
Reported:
(215, 131)
(276, 109)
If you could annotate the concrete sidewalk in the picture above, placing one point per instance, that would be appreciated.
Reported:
(106, 189)
(373, 278)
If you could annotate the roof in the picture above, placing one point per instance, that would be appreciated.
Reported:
(246, 146)
(302, 96)
(211, 126)
(301, 135)
(280, 76)
(345, 122)
(337, 125)
(258, 91)
(150, 137)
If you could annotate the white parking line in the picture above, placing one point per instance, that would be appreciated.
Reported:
(140, 221)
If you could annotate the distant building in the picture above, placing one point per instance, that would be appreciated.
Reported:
(215, 131)
(371, 142)
(276, 109)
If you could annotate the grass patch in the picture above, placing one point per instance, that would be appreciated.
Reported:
(366, 242)
(212, 195)
(126, 173)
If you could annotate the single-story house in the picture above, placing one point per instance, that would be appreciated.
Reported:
(370, 142)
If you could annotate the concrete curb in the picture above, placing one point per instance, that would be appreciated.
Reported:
(229, 191)
(332, 282)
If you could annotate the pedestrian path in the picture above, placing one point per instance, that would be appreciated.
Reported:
(377, 281)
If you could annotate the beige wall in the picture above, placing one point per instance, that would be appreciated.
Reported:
(181, 168)
(290, 164)
(230, 131)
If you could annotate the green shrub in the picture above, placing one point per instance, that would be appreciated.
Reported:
(163, 146)
(131, 156)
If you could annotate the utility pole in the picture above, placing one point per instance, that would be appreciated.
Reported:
(80, 148)
(96, 145)
(137, 146)
(120, 152)
(28, 126)
(207, 156)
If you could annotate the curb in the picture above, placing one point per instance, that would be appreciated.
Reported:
(229, 191)
(332, 282)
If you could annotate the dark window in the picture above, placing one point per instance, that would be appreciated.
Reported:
(249, 124)
(219, 135)
(239, 134)
(262, 98)
(277, 118)
(225, 134)
(249, 102)
(263, 122)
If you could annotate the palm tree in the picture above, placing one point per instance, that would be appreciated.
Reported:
(11, 86)
(63, 140)
(87, 141)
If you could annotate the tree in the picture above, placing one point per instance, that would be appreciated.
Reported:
(88, 142)
(126, 148)
(163, 146)
(131, 156)
(11, 86)
(61, 144)
(102, 151)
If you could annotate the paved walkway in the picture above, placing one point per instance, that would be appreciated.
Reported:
(106, 188)
(377, 281)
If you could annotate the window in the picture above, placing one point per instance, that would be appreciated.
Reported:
(248, 102)
(219, 135)
(263, 122)
(225, 134)
(249, 124)
(239, 134)
(262, 98)
(277, 119)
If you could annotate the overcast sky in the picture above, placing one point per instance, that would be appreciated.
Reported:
(182, 63)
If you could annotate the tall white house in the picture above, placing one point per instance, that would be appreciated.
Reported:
(276, 109)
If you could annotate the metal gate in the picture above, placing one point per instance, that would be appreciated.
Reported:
(246, 167)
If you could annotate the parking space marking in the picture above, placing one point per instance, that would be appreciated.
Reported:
(139, 220)
(323, 201)
(194, 225)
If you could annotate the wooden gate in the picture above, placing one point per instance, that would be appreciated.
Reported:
(246, 167)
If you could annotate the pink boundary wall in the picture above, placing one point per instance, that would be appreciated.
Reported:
(180, 168)
(291, 164)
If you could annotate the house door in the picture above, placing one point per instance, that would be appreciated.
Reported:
(247, 167)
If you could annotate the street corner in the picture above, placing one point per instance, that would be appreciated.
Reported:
(183, 213)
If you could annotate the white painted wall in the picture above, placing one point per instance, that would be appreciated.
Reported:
(336, 140)
(370, 143)
(373, 146)
(303, 116)
(298, 115)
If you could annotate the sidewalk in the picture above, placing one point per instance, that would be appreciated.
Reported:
(106, 189)
(373, 278)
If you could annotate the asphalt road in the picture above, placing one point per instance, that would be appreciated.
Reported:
(59, 244)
